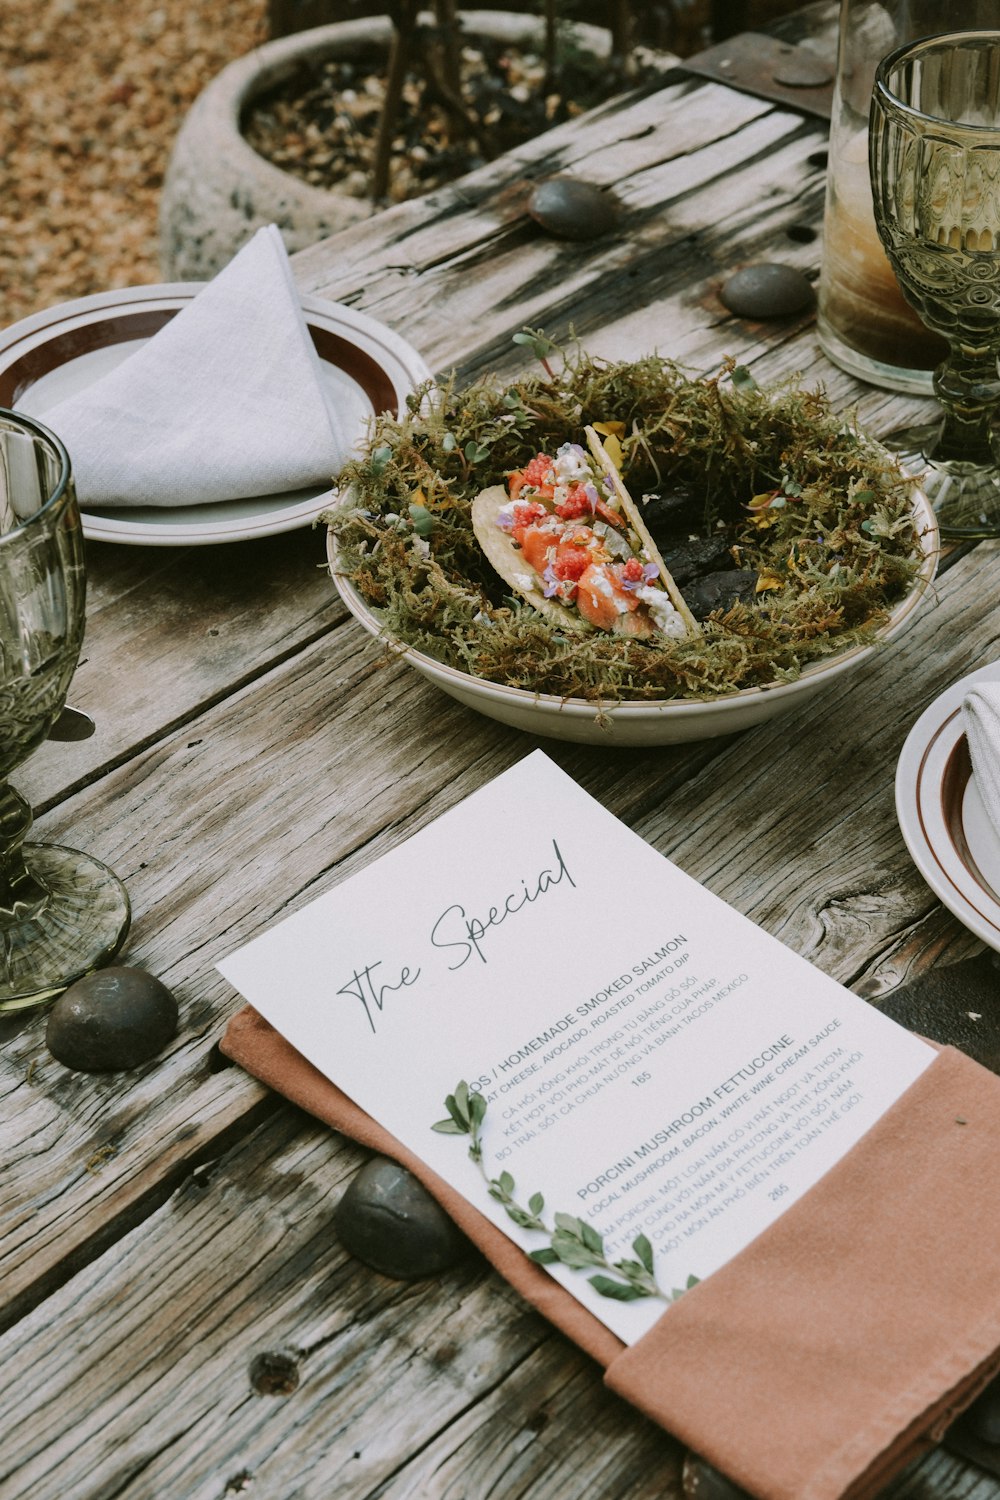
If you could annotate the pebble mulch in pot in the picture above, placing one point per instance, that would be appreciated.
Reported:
(322, 123)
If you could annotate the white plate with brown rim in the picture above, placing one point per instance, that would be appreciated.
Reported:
(55, 353)
(941, 814)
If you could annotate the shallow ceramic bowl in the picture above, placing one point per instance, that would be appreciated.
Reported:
(657, 722)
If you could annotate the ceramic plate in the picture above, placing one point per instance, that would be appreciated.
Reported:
(941, 813)
(55, 353)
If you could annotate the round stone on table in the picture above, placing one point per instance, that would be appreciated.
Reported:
(572, 209)
(388, 1220)
(768, 290)
(803, 69)
(110, 1020)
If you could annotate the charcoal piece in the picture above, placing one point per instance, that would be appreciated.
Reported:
(388, 1220)
(691, 560)
(983, 1416)
(976, 1434)
(673, 514)
(719, 591)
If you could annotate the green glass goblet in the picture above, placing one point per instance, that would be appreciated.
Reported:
(934, 154)
(62, 913)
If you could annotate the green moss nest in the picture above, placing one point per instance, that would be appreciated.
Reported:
(821, 513)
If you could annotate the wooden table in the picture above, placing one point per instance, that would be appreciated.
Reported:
(164, 1228)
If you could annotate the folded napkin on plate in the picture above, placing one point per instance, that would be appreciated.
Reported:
(227, 401)
(834, 1349)
(981, 718)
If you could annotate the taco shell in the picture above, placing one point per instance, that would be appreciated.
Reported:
(638, 525)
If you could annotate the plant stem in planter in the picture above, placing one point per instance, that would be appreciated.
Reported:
(439, 89)
(449, 31)
(441, 68)
(404, 21)
(622, 55)
(551, 46)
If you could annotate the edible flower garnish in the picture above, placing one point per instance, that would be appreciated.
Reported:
(569, 525)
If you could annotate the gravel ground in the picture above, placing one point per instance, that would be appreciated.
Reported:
(95, 93)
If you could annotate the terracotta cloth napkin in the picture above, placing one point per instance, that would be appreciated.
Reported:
(841, 1343)
(225, 402)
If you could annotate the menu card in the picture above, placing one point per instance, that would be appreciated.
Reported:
(650, 1075)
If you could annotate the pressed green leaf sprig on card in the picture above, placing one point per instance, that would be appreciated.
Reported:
(572, 1241)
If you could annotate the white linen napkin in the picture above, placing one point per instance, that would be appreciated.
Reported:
(981, 719)
(227, 401)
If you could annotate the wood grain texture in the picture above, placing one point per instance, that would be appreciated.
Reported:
(163, 1227)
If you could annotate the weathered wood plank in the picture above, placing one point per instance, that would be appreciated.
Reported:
(283, 822)
(679, 119)
(942, 1476)
(170, 630)
(439, 1388)
(147, 1359)
(297, 819)
(687, 223)
(796, 824)
(234, 776)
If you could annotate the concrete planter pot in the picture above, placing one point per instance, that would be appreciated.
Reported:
(218, 191)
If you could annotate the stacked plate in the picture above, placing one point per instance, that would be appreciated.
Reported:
(55, 353)
(942, 816)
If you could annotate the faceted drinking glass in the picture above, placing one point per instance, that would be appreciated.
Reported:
(62, 913)
(934, 144)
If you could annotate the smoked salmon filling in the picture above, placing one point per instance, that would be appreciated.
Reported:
(567, 532)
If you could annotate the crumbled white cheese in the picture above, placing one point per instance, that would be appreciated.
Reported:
(665, 617)
(571, 464)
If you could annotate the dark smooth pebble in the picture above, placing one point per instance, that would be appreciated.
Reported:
(72, 724)
(703, 1482)
(389, 1220)
(110, 1020)
(803, 70)
(719, 591)
(573, 210)
(956, 1004)
(768, 290)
